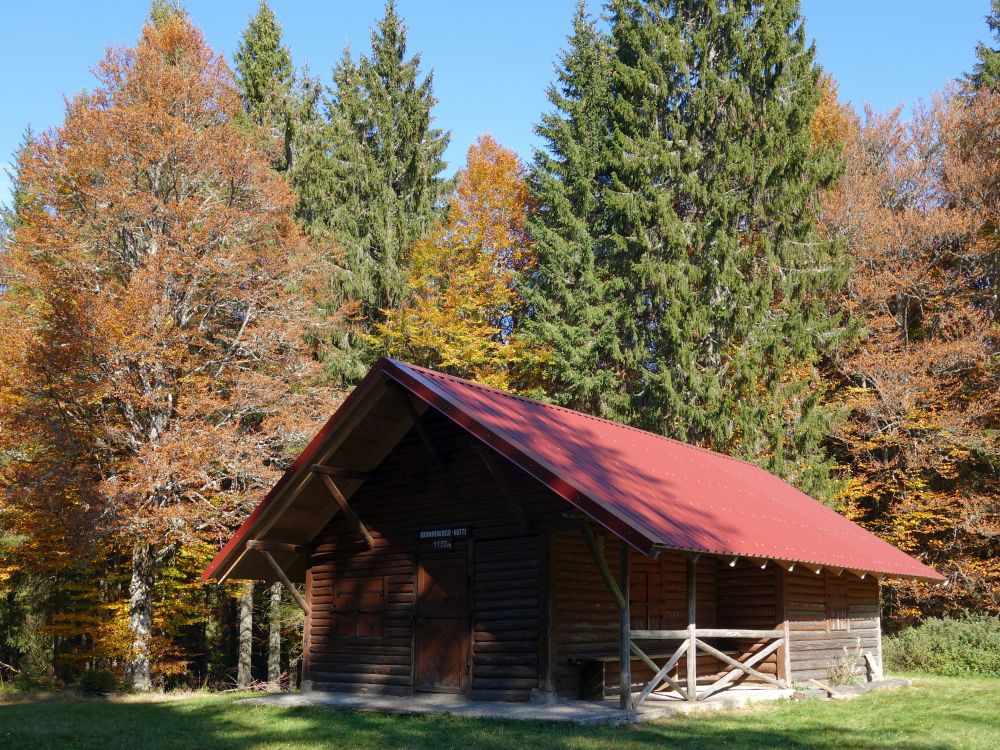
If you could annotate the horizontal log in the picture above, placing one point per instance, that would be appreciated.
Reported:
(504, 683)
(266, 546)
(365, 679)
(508, 696)
(361, 688)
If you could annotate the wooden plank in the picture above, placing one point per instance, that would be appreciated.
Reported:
(641, 635)
(692, 657)
(348, 510)
(342, 472)
(726, 679)
(738, 664)
(661, 674)
(283, 577)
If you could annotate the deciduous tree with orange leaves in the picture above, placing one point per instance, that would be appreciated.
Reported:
(152, 354)
(465, 277)
(918, 208)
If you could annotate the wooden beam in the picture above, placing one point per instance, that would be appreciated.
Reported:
(690, 583)
(348, 510)
(727, 678)
(494, 469)
(738, 664)
(624, 623)
(661, 672)
(602, 565)
(283, 577)
(419, 425)
(666, 635)
(276, 546)
(343, 473)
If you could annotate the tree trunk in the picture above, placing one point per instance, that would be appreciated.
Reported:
(274, 639)
(246, 637)
(140, 617)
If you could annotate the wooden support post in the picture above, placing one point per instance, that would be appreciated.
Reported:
(497, 473)
(602, 564)
(283, 577)
(348, 510)
(624, 625)
(692, 651)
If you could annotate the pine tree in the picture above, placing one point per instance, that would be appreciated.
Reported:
(570, 293)
(379, 187)
(986, 71)
(710, 215)
(264, 77)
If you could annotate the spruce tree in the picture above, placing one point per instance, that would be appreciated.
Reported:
(986, 71)
(378, 186)
(710, 213)
(264, 77)
(570, 294)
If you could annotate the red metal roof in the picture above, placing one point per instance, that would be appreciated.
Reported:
(650, 490)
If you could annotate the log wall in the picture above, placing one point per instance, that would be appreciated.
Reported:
(408, 494)
(826, 614)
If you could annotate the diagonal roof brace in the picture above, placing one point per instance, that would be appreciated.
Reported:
(264, 550)
(348, 510)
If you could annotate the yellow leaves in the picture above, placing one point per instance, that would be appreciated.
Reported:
(465, 304)
(833, 123)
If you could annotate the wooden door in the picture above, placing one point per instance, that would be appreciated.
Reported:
(442, 625)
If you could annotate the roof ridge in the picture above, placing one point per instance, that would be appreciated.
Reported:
(604, 420)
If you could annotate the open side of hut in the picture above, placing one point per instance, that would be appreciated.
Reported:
(455, 538)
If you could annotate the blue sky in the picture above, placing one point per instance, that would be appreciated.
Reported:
(491, 60)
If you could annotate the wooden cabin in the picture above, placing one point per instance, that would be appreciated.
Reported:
(455, 538)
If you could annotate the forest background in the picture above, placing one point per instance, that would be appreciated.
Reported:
(206, 254)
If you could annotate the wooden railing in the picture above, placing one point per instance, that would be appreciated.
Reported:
(691, 643)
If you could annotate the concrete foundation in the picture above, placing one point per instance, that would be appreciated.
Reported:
(577, 712)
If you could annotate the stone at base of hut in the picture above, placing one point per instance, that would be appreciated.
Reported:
(847, 692)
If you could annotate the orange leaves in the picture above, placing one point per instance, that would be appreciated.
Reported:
(148, 337)
(465, 306)
(922, 388)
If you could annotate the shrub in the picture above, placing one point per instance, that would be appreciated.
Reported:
(96, 682)
(957, 647)
(842, 673)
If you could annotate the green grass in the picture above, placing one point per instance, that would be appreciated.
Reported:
(935, 713)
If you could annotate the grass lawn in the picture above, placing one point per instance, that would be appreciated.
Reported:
(934, 713)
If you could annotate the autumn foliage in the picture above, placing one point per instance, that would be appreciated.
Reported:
(918, 209)
(151, 355)
(464, 279)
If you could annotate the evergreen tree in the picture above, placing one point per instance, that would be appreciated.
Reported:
(264, 77)
(986, 71)
(710, 213)
(570, 294)
(377, 187)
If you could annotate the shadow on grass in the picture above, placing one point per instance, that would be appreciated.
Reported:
(215, 722)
